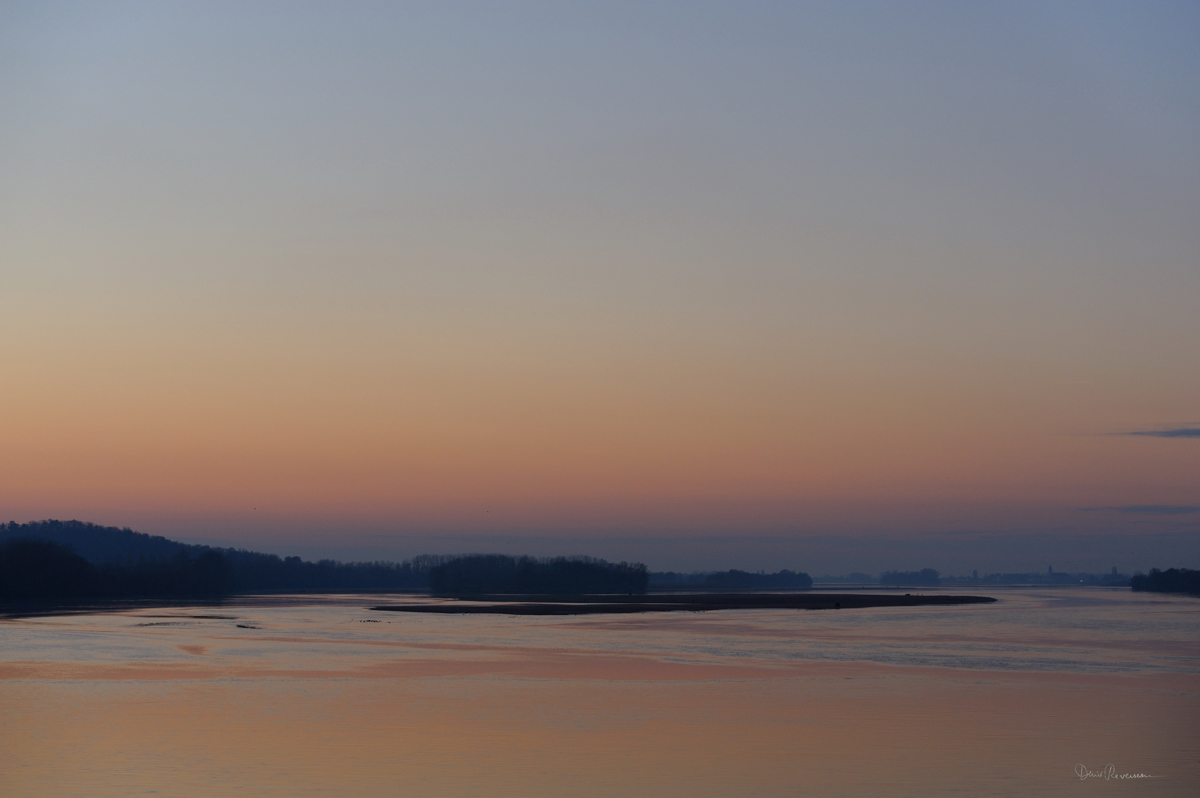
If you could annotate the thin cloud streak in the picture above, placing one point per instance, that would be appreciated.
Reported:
(1153, 509)
(1176, 432)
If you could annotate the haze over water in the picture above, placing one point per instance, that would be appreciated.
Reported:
(320, 697)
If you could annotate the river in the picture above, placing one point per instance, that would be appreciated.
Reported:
(1046, 692)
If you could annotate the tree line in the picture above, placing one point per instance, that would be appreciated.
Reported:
(733, 579)
(1172, 580)
(499, 573)
(73, 560)
(39, 569)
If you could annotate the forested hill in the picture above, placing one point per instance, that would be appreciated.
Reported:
(239, 570)
(100, 544)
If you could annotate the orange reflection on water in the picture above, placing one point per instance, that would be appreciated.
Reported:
(867, 732)
(329, 702)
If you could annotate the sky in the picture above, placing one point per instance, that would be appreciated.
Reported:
(833, 286)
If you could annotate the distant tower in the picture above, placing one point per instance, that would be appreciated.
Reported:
(1114, 570)
(975, 574)
(1050, 569)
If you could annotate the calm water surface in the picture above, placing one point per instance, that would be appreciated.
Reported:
(318, 696)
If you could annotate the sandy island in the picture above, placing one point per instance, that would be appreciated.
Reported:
(673, 602)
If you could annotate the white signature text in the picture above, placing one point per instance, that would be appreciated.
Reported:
(1108, 773)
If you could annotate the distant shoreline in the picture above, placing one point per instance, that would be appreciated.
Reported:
(685, 602)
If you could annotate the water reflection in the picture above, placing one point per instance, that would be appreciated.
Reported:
(305, 699)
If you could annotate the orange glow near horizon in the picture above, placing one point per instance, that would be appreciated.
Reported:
(541, 432)
(780, 274)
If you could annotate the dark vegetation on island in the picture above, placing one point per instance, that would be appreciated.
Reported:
(676, 602)
(497, 573)
(1172, 580)
(731, 580)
